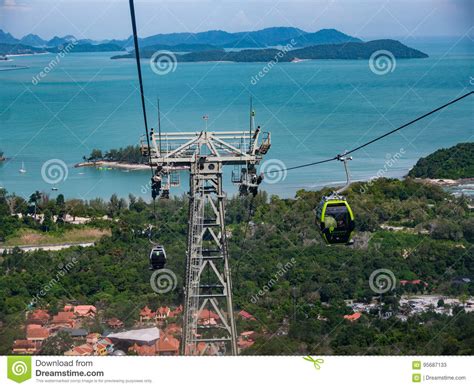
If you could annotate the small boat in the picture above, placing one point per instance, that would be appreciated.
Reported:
(22, 169)
(54, 188)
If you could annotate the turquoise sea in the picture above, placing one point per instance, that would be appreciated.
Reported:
(314, 110)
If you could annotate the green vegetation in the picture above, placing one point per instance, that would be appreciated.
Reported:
(349, 50)
(129, 154)
(306, 303)
(449, 163)
(27, 236)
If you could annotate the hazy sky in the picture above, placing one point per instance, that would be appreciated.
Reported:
(101, 19)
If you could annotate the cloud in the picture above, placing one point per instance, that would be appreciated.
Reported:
(13, 5)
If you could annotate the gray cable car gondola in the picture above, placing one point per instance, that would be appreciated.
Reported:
(157, 257)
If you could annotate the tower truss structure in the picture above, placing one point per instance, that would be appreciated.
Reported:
(208, 323)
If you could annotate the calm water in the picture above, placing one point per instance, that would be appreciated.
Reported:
(313, 109)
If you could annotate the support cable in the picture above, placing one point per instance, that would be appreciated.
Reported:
(339, 156)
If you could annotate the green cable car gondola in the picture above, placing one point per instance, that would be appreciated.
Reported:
(334, 216)
(335, 219)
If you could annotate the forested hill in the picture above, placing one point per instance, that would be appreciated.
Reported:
(447, 163)
(350, 50)
(415, 230)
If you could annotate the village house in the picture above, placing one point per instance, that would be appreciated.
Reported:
(85, 311)
(103, 347)
(415, 282)
(176, 312)
(92, 338)
(208, 318)
(39, 317)
(146, 315)
(246, 339)
(246, 315)
(76, 334)
(144, 342)
(63, 319)
(162, 313)
(36, 334)
(81, 350)
(353, 317)
(24, 347)
(115, 323)
(173, 329)
(167, 345)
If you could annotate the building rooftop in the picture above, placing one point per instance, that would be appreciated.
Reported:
(141, 335)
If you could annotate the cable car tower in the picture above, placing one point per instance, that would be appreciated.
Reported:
(209, 326)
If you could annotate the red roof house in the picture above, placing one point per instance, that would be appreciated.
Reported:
(415, 282)
(81, 350)
(246, 315)
(115, 323)
(173, 329)
(208, 318)
(36, 334)
(177, 311)
(92, 338)
(64, 319)
(167, 345)
(353, 317)
(88, 311)
(146, 314)
(163, 312)
(24, 347)
(40, 317)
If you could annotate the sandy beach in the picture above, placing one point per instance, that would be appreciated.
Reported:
(118, 165)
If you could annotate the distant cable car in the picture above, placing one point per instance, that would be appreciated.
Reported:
(157, 257)
(334, 216)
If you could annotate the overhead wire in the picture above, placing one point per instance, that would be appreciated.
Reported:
(339, 156)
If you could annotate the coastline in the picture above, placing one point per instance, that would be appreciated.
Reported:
(111, 164)
(446, 182)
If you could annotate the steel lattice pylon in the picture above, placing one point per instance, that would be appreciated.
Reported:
(208, 323)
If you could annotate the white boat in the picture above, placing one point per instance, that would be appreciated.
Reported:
(22, 169)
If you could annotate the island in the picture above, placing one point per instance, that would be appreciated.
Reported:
(127, 158)
(348, 50)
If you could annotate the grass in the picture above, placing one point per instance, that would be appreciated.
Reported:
(34, 237)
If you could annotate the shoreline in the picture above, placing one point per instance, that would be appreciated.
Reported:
(446, 182)
(111, 164)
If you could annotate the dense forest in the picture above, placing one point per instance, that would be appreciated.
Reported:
(454, 163)
(302, 311)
